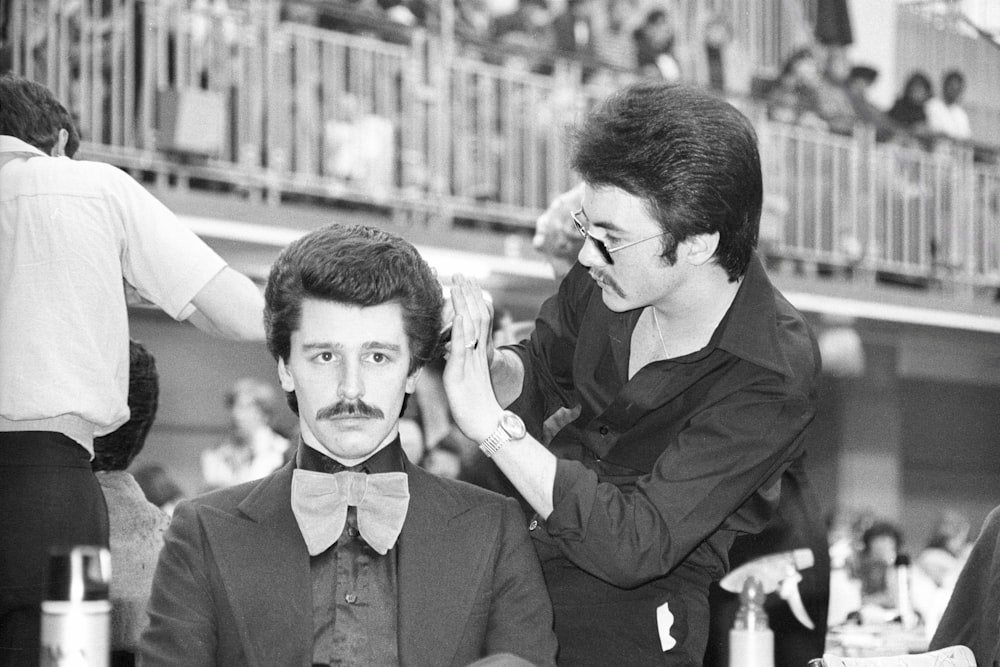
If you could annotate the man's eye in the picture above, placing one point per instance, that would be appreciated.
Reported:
(325, 356)
(379, 357)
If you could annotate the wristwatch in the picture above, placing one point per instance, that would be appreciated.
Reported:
(510, 428)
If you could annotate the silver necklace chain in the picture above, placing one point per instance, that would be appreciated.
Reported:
(659, 333)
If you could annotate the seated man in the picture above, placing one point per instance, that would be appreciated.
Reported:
(136, 525)
(302, 567)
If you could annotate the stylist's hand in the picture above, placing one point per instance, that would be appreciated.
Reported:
(467, 372)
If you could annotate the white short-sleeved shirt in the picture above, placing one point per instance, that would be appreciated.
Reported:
(72, 234)
(950, 120)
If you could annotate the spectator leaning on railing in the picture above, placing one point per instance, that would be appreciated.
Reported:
(945, 114)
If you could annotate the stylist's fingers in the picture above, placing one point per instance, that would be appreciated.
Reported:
(463, 300)
(459, 337)
(479, 305)
(464, 319)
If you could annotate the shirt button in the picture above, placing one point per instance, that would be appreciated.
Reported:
(350, 598)
(352, 531)
(533, 525)
(604, 430)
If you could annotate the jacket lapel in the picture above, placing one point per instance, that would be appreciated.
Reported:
(439, 571)
(264, 565)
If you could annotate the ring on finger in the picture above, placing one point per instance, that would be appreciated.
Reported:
(472, 345)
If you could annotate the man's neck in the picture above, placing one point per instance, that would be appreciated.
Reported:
(311, 441)
(688, 317)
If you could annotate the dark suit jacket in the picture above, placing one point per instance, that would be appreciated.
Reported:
(972, 617)
(233, 585)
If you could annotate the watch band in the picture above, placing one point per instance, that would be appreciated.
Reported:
(494, 441)
(510, 427)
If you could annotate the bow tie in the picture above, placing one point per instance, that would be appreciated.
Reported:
(320, 501)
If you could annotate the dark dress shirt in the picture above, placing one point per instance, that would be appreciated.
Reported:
(354, 587)
(908, 114)
(660, 472)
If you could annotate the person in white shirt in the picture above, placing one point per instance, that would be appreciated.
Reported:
(945, 114)
(73, 236)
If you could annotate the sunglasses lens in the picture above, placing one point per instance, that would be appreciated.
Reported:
(603, 249)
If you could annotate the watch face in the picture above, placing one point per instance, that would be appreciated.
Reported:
(513, 425)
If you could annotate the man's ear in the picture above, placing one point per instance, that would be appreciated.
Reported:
(59, 148)
(701, 248)
(285, 377)
(411, 380)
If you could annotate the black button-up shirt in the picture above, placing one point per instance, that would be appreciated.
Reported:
(659, 472)
(354, 587)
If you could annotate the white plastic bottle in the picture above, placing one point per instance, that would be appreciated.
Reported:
(751, 641)
(76, 614)
(907, 616)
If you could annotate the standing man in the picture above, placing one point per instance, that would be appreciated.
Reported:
(303, 566)
(946, 115)
(251, 448)
(73, 235)
(696, 380)
(137, 525)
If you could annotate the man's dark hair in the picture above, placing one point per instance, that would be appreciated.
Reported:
(863, 73)
(953, 75)
(918, 78)
(689, 155)
(881, 529)
(157, 485)
(30, 112)
(359, 266)
(116, 450)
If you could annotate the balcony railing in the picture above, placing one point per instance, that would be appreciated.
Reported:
(184, 94)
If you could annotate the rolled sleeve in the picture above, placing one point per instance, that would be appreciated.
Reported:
(719, 472)
(163, 260)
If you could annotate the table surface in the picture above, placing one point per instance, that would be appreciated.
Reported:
(851, 640)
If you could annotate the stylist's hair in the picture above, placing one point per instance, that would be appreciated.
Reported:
(359, 266)
(30, 112)
(689, 155)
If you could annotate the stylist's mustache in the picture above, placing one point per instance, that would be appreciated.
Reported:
(349, 409)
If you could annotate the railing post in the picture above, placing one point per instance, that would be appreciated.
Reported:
(277, 107)
(966, 257)
(441, 65)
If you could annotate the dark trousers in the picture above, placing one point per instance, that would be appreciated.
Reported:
(49, 498)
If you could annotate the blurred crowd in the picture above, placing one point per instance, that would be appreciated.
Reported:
(820, 88)
(627, 36)
(877, 576)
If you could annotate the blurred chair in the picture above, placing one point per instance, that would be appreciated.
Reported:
(952, 656)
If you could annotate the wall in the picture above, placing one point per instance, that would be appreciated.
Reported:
(906, 445)
(951, 457)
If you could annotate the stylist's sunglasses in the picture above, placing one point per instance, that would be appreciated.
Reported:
(601, 245)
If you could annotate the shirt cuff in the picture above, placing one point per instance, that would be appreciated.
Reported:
(573, 495)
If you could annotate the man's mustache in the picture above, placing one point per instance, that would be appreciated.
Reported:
(349, 409)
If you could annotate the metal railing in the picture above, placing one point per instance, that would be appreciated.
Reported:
(176, 90)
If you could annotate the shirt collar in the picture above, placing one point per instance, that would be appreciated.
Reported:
(749, 329)
(387, 459)
(9, 144)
